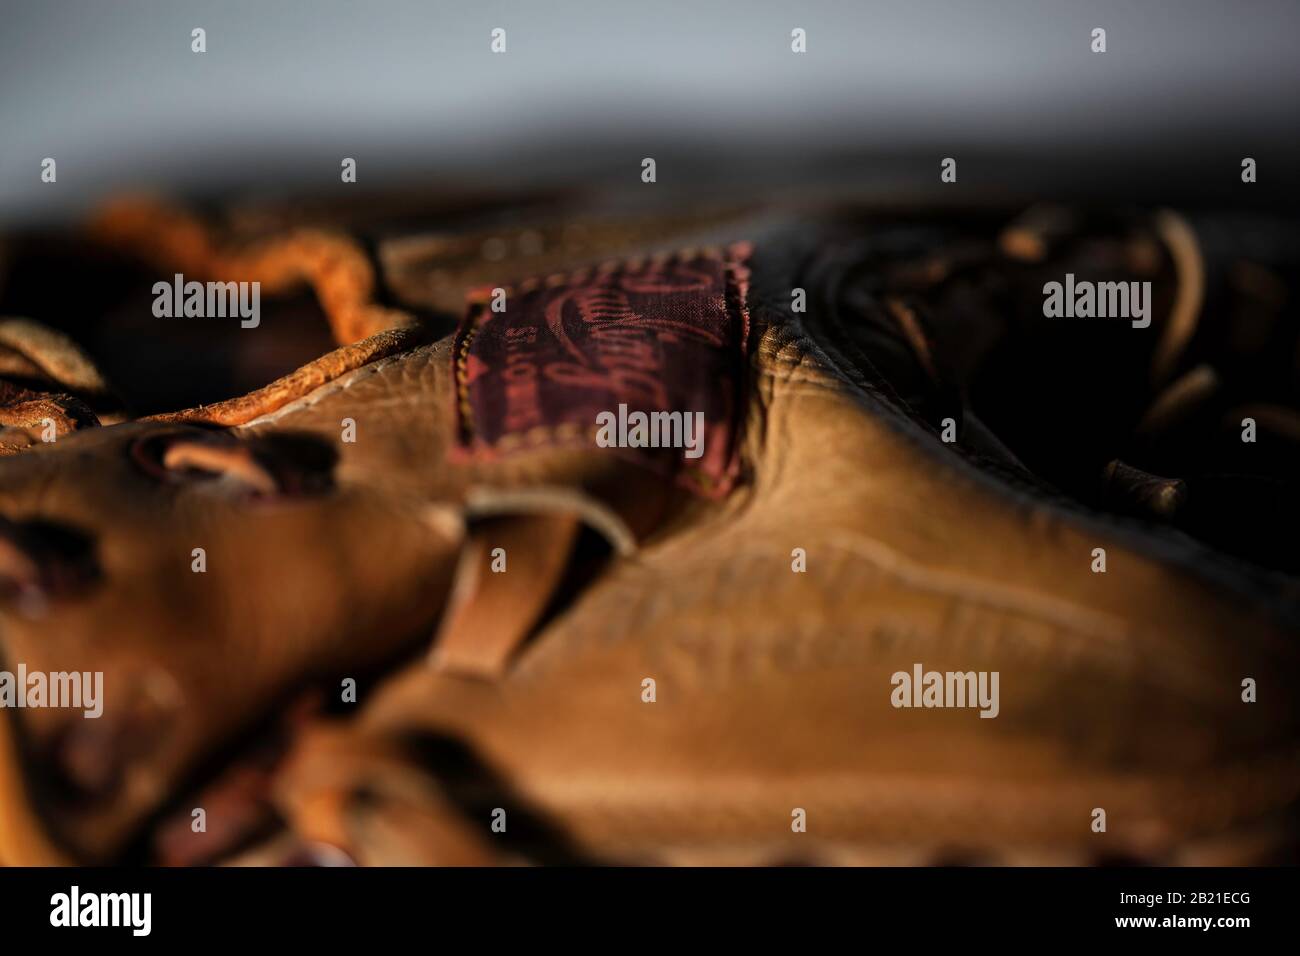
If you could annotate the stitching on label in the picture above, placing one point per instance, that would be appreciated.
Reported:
(610, 289)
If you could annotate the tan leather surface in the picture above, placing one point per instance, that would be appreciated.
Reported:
(772, 687)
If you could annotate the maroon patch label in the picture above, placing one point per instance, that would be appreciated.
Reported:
(645, 357)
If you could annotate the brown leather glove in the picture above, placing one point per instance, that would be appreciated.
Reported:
(614, 654)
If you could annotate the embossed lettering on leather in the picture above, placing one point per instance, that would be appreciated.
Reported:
(659, 334)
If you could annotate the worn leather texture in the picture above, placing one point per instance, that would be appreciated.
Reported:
(521, 695)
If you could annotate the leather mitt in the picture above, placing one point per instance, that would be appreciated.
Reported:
(613, 537)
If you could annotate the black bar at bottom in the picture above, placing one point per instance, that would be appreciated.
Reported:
(333, 906)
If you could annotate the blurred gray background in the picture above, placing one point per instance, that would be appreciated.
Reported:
(111, 90)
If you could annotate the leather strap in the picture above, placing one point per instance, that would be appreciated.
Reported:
(491, 612)
(517, 548)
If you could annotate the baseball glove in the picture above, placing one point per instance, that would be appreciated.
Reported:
(762, 534)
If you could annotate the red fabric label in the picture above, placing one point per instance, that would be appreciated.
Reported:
(573, 358)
